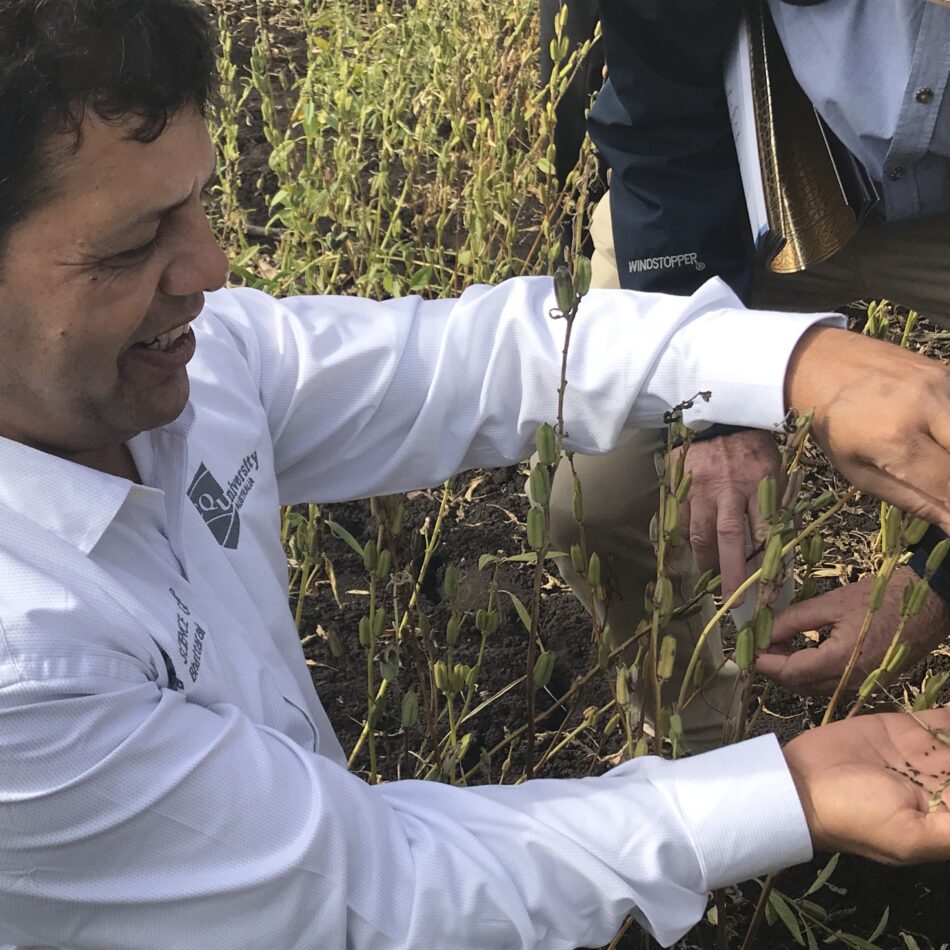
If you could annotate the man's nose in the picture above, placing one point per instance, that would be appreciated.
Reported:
(202, 265)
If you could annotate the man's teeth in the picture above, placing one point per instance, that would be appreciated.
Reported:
(164, 341)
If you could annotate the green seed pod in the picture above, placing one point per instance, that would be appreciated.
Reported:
(663, 596)
(899, 657)
(369, 555)
(471, 678)
(389, 670)
(654, 531)
(764, 623)
(450, 583)
(745, 648)
(612, 724)
(577, 559)
(424, 627)
(876, 597)
(917, 598)
(379, 622)
(384, 563)
(703, 582)
(366, 632)
(915, 531)
(410, 710)
(582, 276)
(452, 630)
(593, 570)
(825, 498)
(937, 555)
(659, 466)
(563, 290)
(536, 528)
(543, 668)
(768, 500)
(867, 687)
(772, 560)
(682, 490)
(603, 654)
(671, 517)
(676, 727)
(621, 687)
(676, 474)
(546, 442)
(664, 665)
(374, 509)
(641, 748)
(399, 515)
(335, 644)
(540, 484)
(792, 488)
(577, 500)
(812, 549)
(891, 530)
(487, 621)
(808, 589)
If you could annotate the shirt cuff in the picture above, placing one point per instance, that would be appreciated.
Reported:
(740, 357)
(741, 810)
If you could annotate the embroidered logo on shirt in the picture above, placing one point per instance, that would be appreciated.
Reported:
(220, 507)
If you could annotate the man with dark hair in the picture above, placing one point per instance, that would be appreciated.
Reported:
(168, 776)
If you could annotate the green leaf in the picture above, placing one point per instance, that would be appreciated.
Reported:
(421, 278)
(823, 875)
(787, 916)
(879, 929)
(810, 937)
(345, 535)
(522, 610)
(484, 560)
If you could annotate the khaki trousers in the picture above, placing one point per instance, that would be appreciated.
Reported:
(905, 262)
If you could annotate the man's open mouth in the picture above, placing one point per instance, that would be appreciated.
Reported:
(165, 341)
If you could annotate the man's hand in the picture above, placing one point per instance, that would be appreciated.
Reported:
(876, 786)
(881, 413)
(724, 493)
(816, 671)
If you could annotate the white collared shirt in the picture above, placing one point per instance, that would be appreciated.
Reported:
(168, 777)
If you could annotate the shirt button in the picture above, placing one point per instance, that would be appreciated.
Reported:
(896, 173)
(924, 95)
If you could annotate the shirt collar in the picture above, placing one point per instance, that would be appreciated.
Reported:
(74, 502)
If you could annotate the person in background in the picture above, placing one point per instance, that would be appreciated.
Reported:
(675, 215)
(168, 774)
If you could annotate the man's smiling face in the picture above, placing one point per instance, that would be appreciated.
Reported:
(119, 254)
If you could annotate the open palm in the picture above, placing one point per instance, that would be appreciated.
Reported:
(878, 786)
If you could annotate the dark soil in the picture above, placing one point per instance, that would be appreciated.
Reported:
(859, 891)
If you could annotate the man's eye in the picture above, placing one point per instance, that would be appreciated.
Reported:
(137, 255)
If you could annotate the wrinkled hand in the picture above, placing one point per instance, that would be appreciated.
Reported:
(816, 670)
(881, 413)
(867, 786)
(724, 494)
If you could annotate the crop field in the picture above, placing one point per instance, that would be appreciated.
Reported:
(406, 147)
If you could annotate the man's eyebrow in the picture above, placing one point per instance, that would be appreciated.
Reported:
(156, 214)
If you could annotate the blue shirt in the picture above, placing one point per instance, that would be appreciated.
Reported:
(877, 72)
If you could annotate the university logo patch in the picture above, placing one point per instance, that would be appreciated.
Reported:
(221, 508)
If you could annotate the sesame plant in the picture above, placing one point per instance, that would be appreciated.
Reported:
(390, 148)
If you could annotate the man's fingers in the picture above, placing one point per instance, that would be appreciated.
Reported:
(810, 670)
(807, 615)
(923, 488)
(731, 539)
(702, 534)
